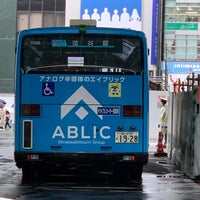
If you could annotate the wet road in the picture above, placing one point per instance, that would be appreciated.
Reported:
(160, 181)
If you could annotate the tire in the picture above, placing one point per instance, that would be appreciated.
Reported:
(126, 172)
(28, 174)
(136, 172)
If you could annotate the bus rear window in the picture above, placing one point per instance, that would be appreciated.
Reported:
(82, 53)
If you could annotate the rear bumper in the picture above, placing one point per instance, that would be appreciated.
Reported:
(54, 159)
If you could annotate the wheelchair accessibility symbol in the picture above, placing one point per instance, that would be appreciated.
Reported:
(48, 89)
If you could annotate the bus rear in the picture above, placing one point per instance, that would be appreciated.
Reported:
(81, 100)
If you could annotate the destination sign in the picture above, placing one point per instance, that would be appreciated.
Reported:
(90, 43)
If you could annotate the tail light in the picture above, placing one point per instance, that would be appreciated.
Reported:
(129, 157)
(30, 109)
(132, 111)
(32, 157)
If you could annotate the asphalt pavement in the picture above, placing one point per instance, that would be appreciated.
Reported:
(159, 164)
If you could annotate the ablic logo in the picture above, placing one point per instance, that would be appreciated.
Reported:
(81, 94)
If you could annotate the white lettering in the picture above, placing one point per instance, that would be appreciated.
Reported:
(83, 136)
(94, 132)
(58, 133)
(101, 132)
(98, 142)
(72, 132)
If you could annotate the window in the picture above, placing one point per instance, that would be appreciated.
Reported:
(181, 31)
(36, 5)
(170, 2)
(59, 5)
(68, 53)
(180, 52)
(170, 10)
(23, 5)
(151, 73)
(191, 47)
(49, 19)
(170, 18)
(22, 21)
(60, 19)
(198, 46)
(40, 13)
(49, 5)
(35, 20)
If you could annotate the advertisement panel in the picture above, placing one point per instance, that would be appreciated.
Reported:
(178, 71)
(154, 42)
(183, 67)
(113, 13)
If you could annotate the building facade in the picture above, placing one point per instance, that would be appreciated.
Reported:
(40, 13)
(7, 45)
(26, 14)
(181, 38)
(180, 53)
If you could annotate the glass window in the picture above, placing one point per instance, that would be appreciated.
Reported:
(190, 12)
(198, 47)
(82, 53)
(170, 2)
(198, 54)
(192, 40)
(180, 18)
(191, 53)
(169, 34)
(35, 20)
(23, 5)
(60, 5)
(36, 5)
(191, 47)
(49, 5)
(185, 46)
(49, 19)
(151, 73)
(169, 49)
(22, 21)
(180, 52)
(60, 19)
(170, 10)
(170, 18)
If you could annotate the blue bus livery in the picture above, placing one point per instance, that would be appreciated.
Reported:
(81, 99)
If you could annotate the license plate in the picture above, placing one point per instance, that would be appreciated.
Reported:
(126, 137)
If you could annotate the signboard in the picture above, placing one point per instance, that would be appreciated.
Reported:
(179, 71)
(183, 67)
(154, 42)
(113, 13)
(181, 26)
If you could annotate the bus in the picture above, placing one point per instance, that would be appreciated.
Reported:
(81, 101)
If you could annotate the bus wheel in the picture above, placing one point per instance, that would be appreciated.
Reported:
(43, 173)
(128, 172)
(136, 172)
(121, 173)
(28, 174)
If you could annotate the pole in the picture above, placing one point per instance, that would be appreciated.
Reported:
(161, 17)
(166, 69)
